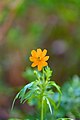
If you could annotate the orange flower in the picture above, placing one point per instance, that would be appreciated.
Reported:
(39, 58)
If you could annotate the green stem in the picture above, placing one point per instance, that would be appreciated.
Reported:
(42, 109)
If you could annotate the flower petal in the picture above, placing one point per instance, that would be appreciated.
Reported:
(40, 67)
(39, 52)
(34, 53)
(45, 64)
(34, 64)
(39, 58)
(44, 53)
(45, 58)
(32, 59)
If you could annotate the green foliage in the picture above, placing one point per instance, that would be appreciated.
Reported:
(22, 94)
(13, 37)
(3, 15)
(54, 4)
(14, 119)
(29, 75)
(64, 119)
(39, 89)
(48, 73)
(27, 30)
(70, 101)
(21, 8)
(5, 89)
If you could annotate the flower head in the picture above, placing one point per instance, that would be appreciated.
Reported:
(39, 58)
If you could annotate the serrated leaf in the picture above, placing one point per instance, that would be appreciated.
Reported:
(48, 73)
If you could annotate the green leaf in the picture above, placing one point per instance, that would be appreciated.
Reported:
(52, 102)
(56, 86)
(29, 74)
(64, 119)
(48, 104)
(48, 73)
(30, 93)
(14, 119)
(58, 89)
(14, 100)
(22, 92)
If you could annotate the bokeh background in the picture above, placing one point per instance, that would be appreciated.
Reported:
(32, 24)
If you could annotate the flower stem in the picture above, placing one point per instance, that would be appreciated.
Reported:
(42, 109)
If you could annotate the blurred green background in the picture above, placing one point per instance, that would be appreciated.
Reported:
(32, 24)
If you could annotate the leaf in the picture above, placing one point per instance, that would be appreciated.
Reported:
(14, 119)
(48, 73)
(30, 93)
(58, 89)
(56, 86)
(22, 92)
(48, 104)
(27, 95)
(52, 102)
(14, 101)
(64, 119)
(28, 73)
